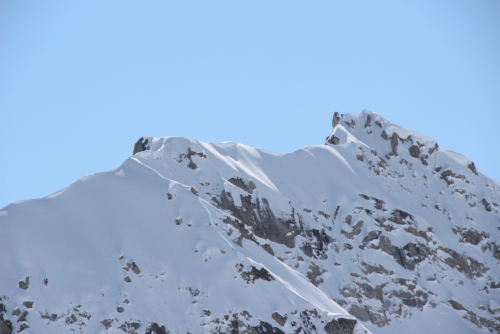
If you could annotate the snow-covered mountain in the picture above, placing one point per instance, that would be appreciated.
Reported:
(378, 230)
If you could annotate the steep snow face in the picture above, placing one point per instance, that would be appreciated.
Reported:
(148, 248)
(186, 236)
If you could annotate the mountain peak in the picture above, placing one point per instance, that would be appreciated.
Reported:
(378, 230)
(373, 132)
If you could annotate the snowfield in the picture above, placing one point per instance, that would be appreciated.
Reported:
(379, 230)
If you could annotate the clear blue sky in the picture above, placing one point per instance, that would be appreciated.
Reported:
(81, 81)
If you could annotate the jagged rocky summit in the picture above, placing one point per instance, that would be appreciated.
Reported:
(379, 230)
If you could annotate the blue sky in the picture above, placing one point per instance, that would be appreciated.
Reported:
(81, 81)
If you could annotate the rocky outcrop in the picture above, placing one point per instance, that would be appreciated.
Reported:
(414, 151)
(336, 119)
(141, 145)
(237, 181)
(254, 274)
(340, 326)
(24, 284)
(154, 328)
(470, 236)
(394, 143)
(260, 218)
(5, 326)
(280, 319)
(407, 256)
(332, 140)
(463, 263)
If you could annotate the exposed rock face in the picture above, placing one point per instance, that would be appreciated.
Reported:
(281, 320)
(340, 326)
(254, 274)
(141, 145)
(394, 143)
(23, 316)
(414, 151)
(156, 329)
(369, 314)
(242, 185)
(471, 236)
(24, 284)
(463, 263)
(400, 155)
(336, 119)
(261, 219)
(5, 326)
(28, 304)
(333, 140)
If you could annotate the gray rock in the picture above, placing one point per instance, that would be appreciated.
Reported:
(399, 217)
(494, 248)
(368, 121)
(361, 313)
(470, 236)
(418, 233)
(384, 135)
(486, 204)
(473, 168)
(23, 316)
(5, 326)
(332, 140)
(23, 327)
(456, 305)
(365, 313)
(463, 263)
(408, 256)
(410, 298)
(261, 219)
(241, 184)
(314, 273)
(190, 155)
(268, 248)
(254, 274)
(24, 284)
(107, 323)
(28, 304)
(154, 328)
(130, 327)
(351, 124)
(372, 235)
(356, 229)
(379, 204)
(281, 320)
(394, 143)
(135, 268)
(140, 145)
(340, 326)
(263, 328)
(335, 120)
(414, 151)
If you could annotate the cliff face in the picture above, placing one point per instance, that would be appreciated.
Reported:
(196, 237)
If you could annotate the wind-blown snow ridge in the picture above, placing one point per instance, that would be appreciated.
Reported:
(186, 236)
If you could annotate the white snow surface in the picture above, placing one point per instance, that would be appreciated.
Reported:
(161, 211)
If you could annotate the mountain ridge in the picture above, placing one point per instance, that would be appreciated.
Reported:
(380, 221)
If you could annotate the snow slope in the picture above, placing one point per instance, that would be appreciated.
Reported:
(192, 237)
